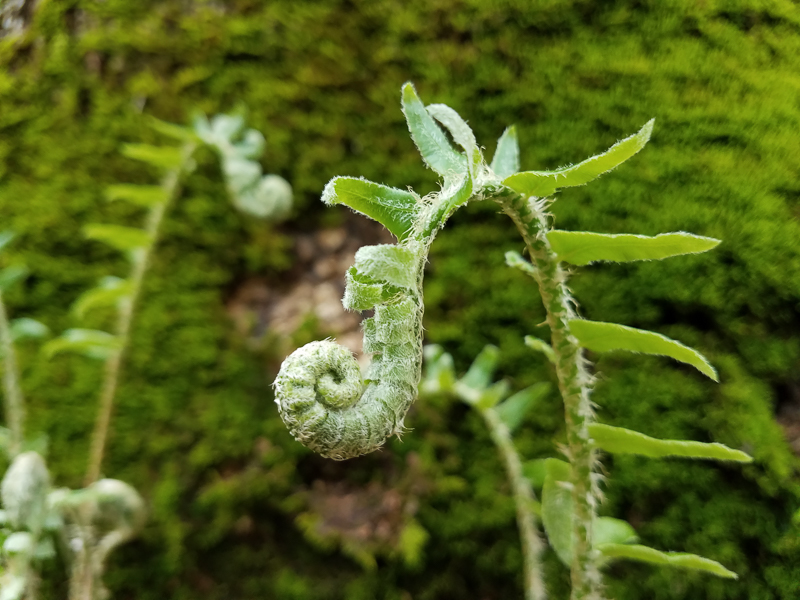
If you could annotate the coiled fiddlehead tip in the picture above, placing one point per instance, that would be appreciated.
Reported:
(314, 389)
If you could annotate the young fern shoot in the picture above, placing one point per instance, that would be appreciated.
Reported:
(389, 278)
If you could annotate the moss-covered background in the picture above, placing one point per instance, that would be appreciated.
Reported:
(237, 509)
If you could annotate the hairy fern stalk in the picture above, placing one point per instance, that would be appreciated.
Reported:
(330, 407)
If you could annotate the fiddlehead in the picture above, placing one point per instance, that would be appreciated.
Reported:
(320, 393)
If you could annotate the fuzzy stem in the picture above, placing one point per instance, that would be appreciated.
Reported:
(573, 381)
(14, 401)
(523, 498)
(113, 366)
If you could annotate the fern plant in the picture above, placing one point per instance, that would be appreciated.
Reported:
(330, 407)
(89, 523)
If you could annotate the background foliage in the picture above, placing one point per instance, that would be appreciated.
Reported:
(238, 510)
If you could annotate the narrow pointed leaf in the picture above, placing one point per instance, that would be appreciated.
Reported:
(88, 342)
(513, 410)
(535, 471)
(506, 158)
(608, 530)
(485, 398)
(163, 157)
(431, 141)
(541, 346)
(27, 328)
(480, 372)
(617, 440)
(545, 183)
(603, 337)
(176, 132)
(672, 559)
(118, 236)
(141, 195)
(393, 264)
(439, 370)
(557, 508)
(109, 293)
(515, 261)
(5, 238)
(394, 209)
(458, 128)
(11, 275)
(582, 247)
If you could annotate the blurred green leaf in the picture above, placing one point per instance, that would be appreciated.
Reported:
(11, 275)
(608, 530)
(506, 158)
(672, 559)
(604, 337)
(109, 293)
(557, 508)
(88, 342)
(162, 157)
(535, 471)
(617, 440)
(27, 328)
(19, 541)
(176, 132)
(141, 195)
(5, 238)
(118, 236)
(582, 247)
(546, 183)
(513, 410)
(480, 372)
(394, 209)
(535, 343)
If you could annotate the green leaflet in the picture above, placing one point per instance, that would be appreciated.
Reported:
(11, 275)
(359, 295)
(176, 132)
(624, 441)
(515, 261)
(118, 236)
(582, 247)
(479, 374)
(389, 263)
(270, 197)
(461, 132)
(608, 530)
(431, 141)
(506, 158)
(5, 238)
(602, 337)
(535, 343)
(109, 293)
(141, 195)
(88, 342)
(439, 373)
(557, 508)
(672, 559)
(163, 157)
(545, 183)
(394, 209)
(512, 411)
(557, 511)
(25, 327)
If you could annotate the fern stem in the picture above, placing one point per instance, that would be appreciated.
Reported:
(573, 381)
(523, 499)
(14, 401)
(113, 366)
